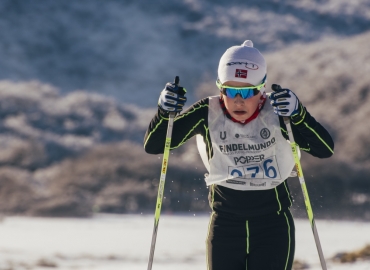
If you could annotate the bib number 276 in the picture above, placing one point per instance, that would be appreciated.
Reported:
(266, 169)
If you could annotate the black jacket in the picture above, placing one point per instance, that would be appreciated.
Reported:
(310, 135)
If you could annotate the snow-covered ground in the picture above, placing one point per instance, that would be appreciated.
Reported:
(123, 242)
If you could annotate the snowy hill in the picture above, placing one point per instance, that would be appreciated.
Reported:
(119, 48)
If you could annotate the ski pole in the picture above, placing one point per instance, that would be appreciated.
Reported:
(161, 182)
(307, 202)
(305, 192)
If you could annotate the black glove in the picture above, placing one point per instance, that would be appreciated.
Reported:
(172, 98)
(287, 104)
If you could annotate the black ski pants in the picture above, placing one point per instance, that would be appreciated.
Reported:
(258, 243)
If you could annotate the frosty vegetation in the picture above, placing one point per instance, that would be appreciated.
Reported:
(75, 154)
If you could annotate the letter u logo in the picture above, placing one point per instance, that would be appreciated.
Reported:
(224, 136)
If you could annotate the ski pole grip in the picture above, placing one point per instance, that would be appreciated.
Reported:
(276, 87)
(177, 80)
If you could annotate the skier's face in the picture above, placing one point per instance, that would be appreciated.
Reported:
(239, 108)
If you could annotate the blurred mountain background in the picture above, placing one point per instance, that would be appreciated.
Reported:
(79, 83)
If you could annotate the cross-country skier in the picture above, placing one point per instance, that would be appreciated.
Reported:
(248, 158)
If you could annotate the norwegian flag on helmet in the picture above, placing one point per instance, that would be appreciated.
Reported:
(241, 73)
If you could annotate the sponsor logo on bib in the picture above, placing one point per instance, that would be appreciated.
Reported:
(248, 159)
(243, 147)
(223, 136)
(245, 136)
(265, 133)
(236, 182)
(258, 185)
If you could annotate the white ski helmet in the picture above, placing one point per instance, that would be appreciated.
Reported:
(242, 63)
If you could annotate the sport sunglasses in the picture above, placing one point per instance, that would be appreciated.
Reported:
(244, 92)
